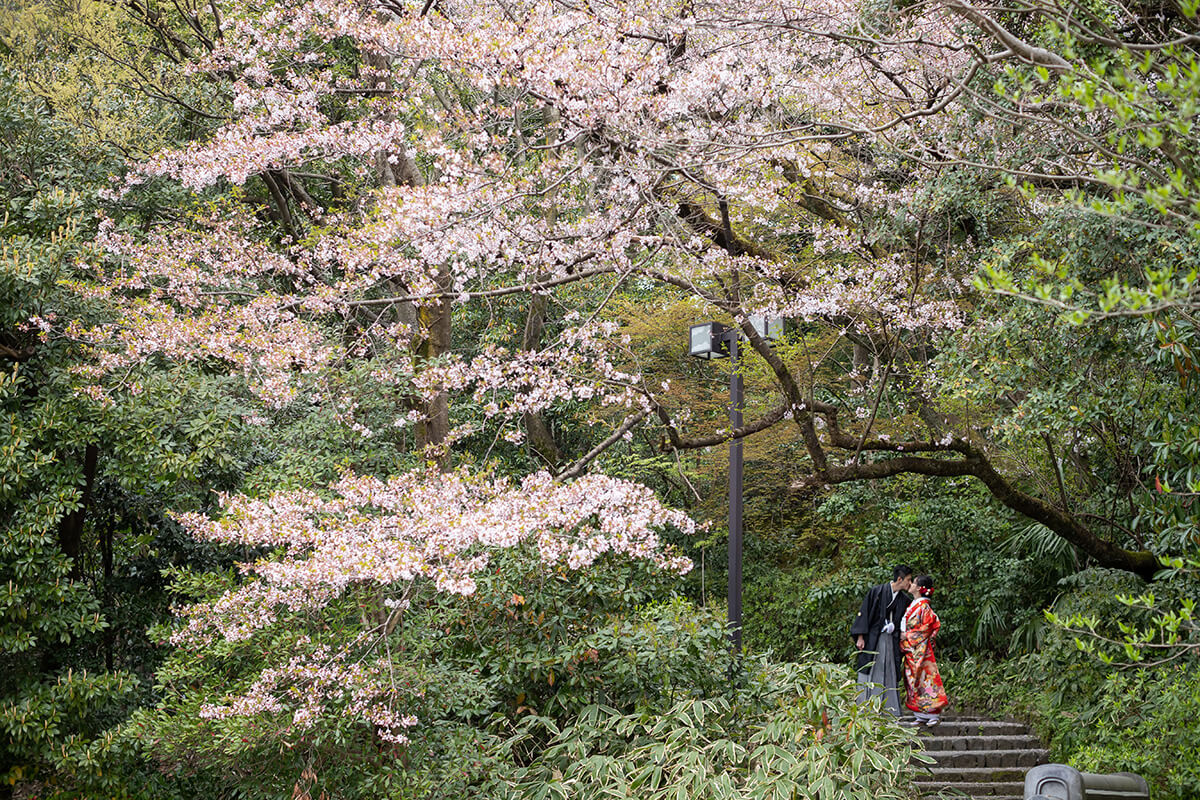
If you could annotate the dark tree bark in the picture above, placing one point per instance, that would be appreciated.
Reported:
(537, 432)
(70, 530)
(435, 321)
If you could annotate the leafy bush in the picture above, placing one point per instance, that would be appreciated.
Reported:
(786, 731)
(511, 684)
(1097, 716)
(1147, 721)
(805, 610)
(527, 643)
(991, 585)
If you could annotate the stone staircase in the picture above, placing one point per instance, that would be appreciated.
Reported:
(978, 758)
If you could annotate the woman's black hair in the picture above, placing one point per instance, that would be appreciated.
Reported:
(924, 582)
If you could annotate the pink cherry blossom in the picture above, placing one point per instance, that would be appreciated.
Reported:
(370, 532)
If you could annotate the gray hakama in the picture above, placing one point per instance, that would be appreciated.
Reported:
(883, 678)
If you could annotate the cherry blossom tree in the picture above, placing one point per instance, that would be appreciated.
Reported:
(768, 159)
(391, 534)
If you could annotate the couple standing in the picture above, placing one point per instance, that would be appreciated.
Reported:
(894, 635)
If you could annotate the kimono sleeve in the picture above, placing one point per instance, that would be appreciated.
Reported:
(862, 622)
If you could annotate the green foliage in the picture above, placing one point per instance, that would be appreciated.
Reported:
(1114, 684)
(536, 682)
(784, 731)
(83, 484)
(526, 643)
(1118, 267)
(42, 603)
(106, 86)
(789, 612)
(987, 592)
(60, 725)
(593, 680)
(1148, 722)
(44, 606)
(1094, 715)
(1168, 504)
(1149, 626)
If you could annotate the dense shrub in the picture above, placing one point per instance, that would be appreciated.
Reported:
(1142, 718)
(512, 684)
(785, 731)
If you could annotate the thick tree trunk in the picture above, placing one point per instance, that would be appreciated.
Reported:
(537, 432)
(432, 320)
(435, 321)
(70, 530)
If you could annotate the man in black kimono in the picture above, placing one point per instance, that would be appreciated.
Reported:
(876, 633)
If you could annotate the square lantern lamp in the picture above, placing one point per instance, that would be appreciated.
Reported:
(709, 340)
(769, 328)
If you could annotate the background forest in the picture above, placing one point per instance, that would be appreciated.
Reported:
(351, 448)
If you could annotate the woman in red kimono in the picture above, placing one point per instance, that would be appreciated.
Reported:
(926, 697)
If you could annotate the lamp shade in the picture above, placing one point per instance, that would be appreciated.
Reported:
(708, 341)
(770, 328)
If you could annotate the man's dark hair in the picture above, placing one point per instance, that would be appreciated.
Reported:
(901, 571)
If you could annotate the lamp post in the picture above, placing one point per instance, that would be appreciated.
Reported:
(713, 340)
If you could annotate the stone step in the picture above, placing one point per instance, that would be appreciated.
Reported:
(953, 775)
(960, 727)
(1016, 742)
(988, 789)
(977, 758)
(989, 758)
(952, 793)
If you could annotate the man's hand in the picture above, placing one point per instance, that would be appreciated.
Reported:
(861, 643)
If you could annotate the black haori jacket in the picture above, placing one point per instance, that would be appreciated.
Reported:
(869, 623)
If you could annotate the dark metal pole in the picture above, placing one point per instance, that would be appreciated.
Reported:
(735, 495)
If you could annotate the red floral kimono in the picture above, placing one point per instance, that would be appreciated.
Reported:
(921, 678)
